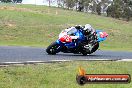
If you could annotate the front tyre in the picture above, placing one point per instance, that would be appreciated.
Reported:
(52, 48)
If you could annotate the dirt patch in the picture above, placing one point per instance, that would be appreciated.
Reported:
(9, 24)
(114, 31)
(9, 37)
(13, 8)
(119, 21)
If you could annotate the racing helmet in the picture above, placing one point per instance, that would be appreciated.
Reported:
(78, 26)
(87, 29)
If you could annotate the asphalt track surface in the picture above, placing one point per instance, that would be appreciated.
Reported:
(22, 54)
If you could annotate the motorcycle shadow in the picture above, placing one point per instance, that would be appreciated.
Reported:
(80, 55)
(94, 55)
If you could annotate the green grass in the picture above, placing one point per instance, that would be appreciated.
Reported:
(30, 25)
(60, 75)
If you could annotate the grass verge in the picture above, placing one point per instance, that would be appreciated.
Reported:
(60, 75)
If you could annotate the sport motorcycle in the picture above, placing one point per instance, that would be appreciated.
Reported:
(82, 45)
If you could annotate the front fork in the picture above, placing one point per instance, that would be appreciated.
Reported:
(60, 45)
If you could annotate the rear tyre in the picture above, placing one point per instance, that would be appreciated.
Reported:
(87, 51)
(84, 53)
(52, 48)
(95, 47)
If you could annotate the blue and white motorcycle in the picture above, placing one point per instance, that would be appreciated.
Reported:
(81, 45)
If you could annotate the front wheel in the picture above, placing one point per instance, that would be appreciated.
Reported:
(52, 48)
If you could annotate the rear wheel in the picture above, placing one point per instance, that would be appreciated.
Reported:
(86, 51)
(52, 48)
(95, 47)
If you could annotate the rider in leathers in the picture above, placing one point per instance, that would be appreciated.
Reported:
(88, 32)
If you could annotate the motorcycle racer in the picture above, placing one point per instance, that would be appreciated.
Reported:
(88, 31)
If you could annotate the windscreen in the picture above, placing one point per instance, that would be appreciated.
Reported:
(72, 31)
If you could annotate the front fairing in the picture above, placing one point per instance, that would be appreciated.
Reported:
(68, 45)
(71, 44)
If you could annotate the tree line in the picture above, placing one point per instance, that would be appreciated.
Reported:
(13, 1)
(120, 9)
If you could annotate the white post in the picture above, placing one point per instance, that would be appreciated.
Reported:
(35, 2)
